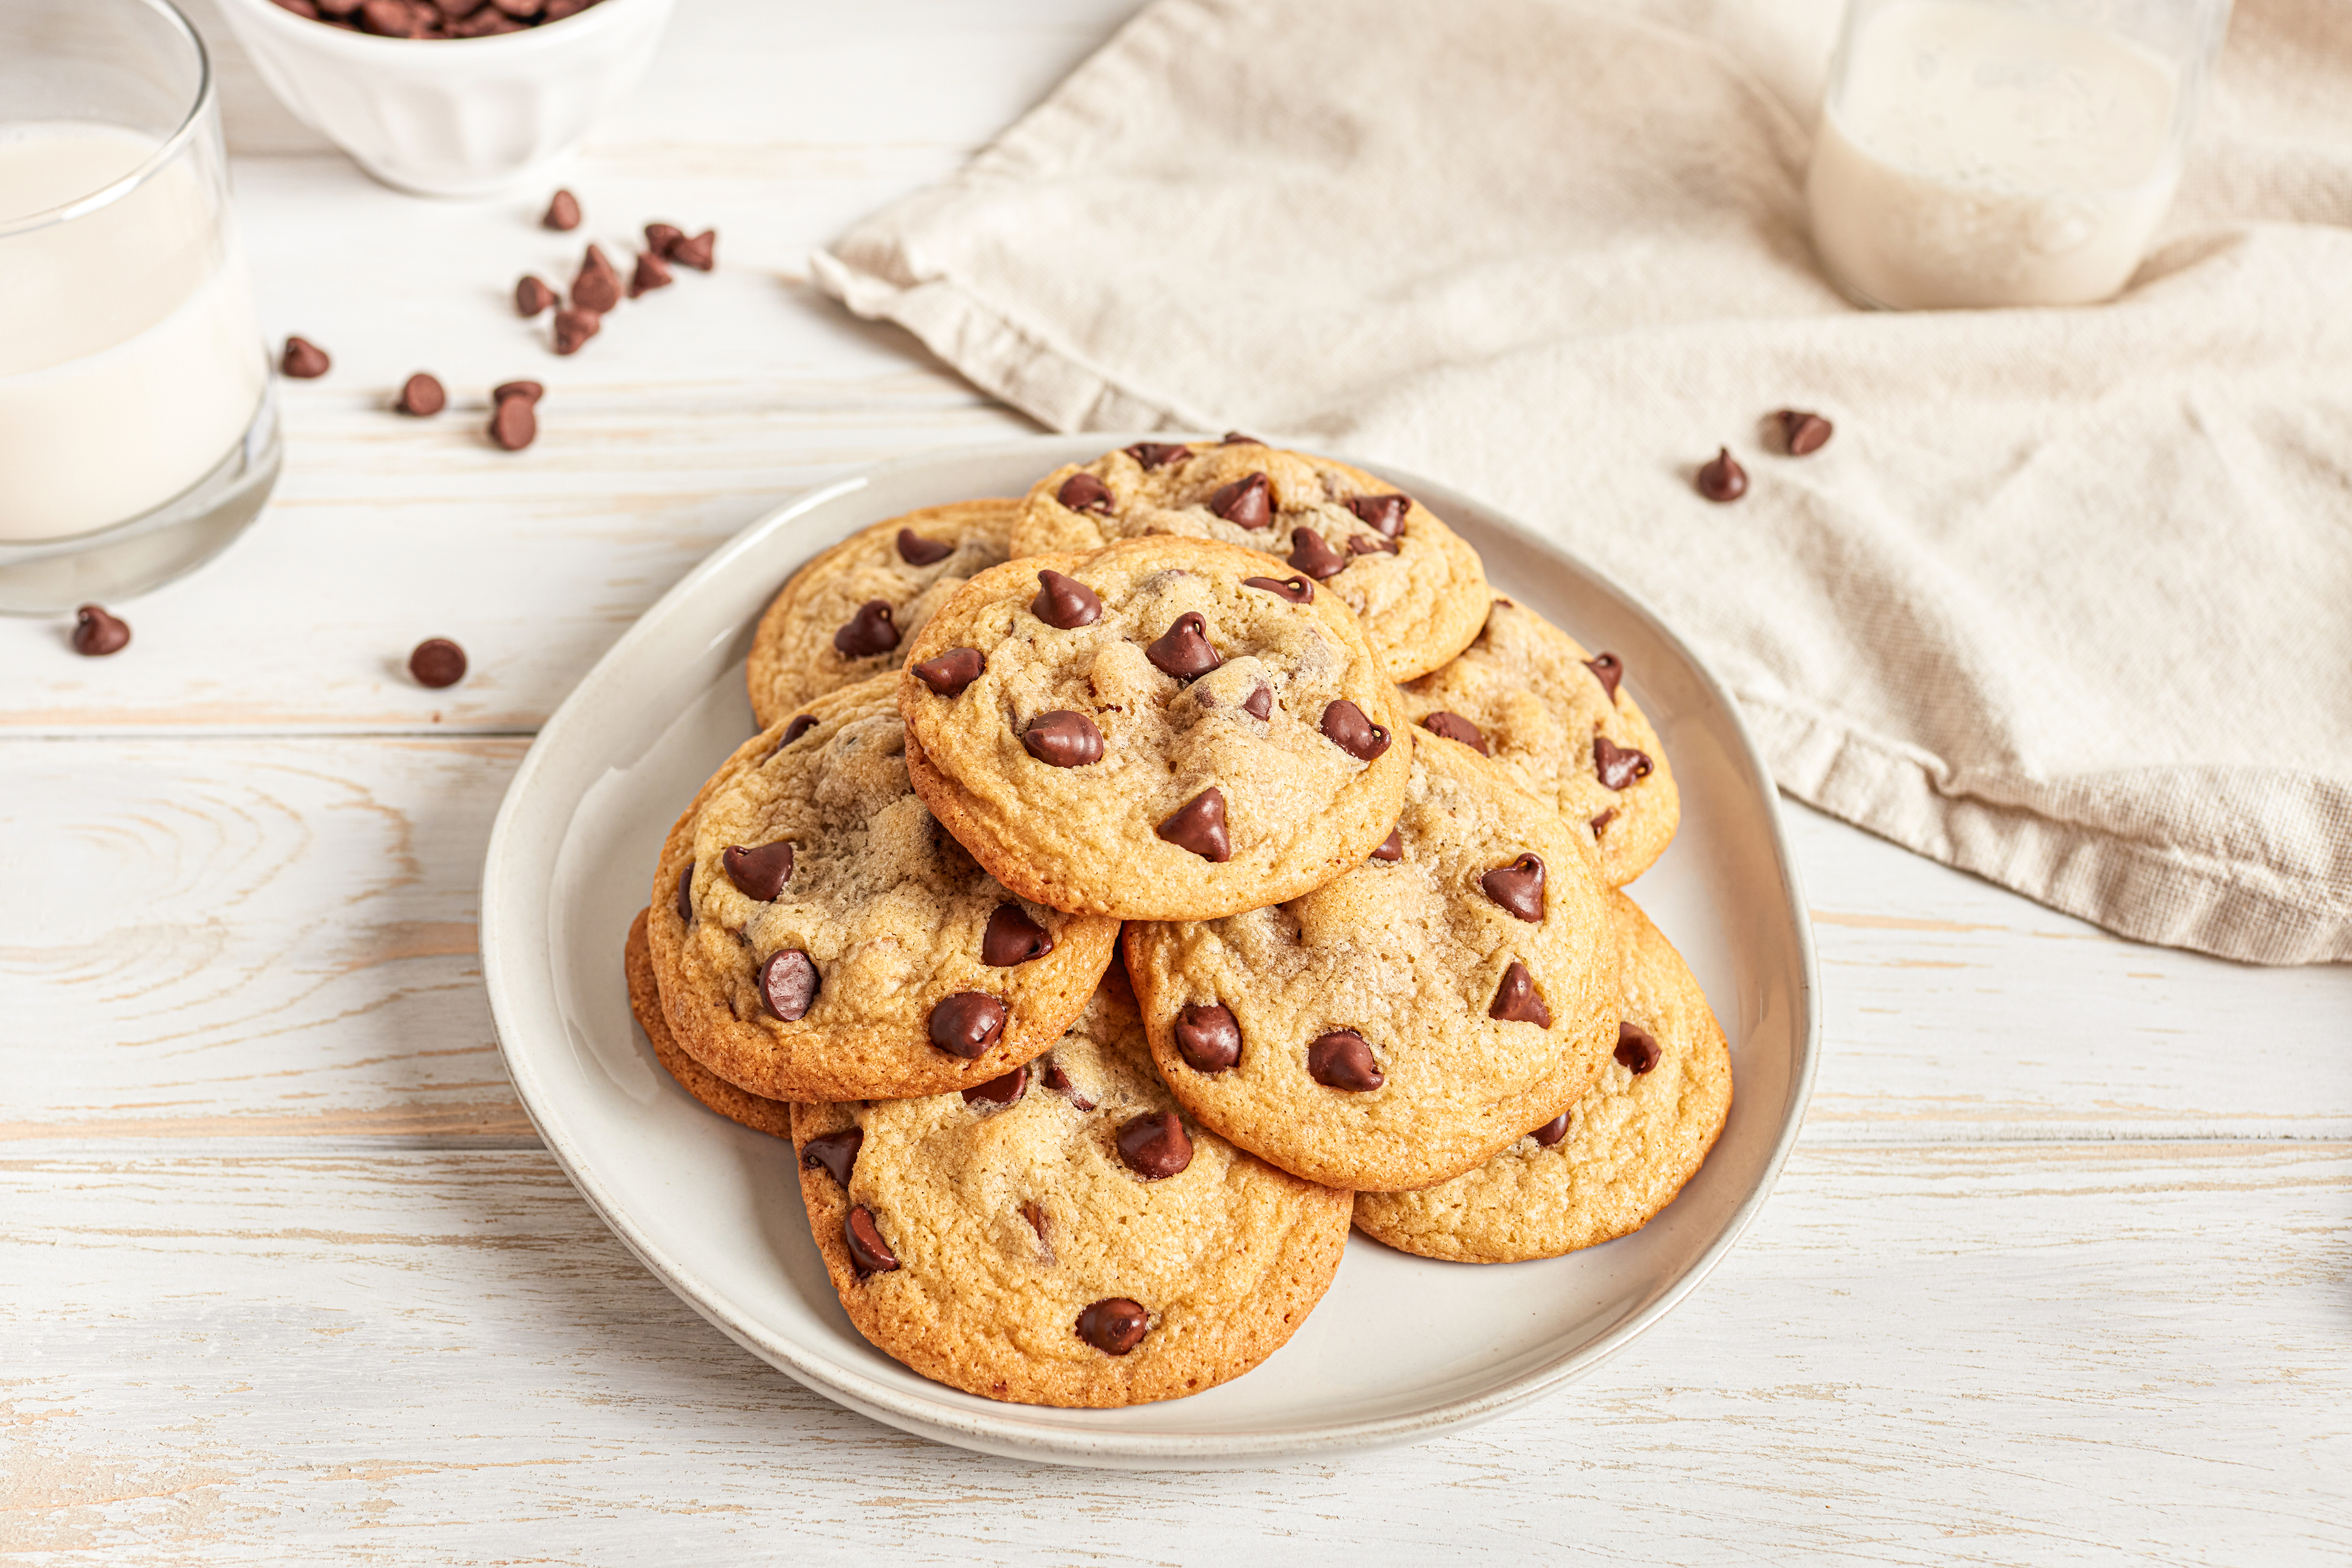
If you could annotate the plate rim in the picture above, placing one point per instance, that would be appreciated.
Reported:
(1005, 1435)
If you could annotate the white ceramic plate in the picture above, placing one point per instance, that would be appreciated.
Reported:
(1402, 1348)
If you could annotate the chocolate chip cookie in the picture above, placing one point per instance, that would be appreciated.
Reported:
(1419, 587)
(773, 1117)
(1605, 1167)
(1399, 1026)
(845, 615)
(1061, 1235)
(1528, 694)
(1167, 729)
(816, 935)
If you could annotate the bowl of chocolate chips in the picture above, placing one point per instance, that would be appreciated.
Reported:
(450, 97)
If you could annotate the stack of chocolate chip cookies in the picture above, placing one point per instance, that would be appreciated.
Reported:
(1136, 883)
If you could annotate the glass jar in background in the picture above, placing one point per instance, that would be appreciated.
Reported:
(1986, 153)
(138, 435)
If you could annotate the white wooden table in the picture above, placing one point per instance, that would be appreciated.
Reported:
(2060, 1272)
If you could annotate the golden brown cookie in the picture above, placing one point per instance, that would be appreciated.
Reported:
(773, 1117)
(1417, 585)
(1608, 1165)
(1528, 694)
(1061, 1236)
(1159, 731)
(817, 936)
(1399, 1026)
(844, 616)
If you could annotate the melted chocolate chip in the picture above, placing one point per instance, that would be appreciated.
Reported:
(1803, 433)
(1115, 1325)
(1297, 590)
(1617, 765)
(1601, 822)
(1247, 502)
(868, 1250)
(1011, 937)
(788, 985)
(1517, 1000)
(1636, 1048)
(1064, 602)
(1259, 704)
(1208, 1037)
(422, 395)
(1084, 492)
(1059, 1083)
(1154, 1145)
(1199, 825)
(304, 360)
(1608, 669)
(951, 672)
(1721, 478)
(1158, 454)
(1036, 1215)
(835, 1153)
(1385, 513)
(1454, 727)
(1391, 847)
(1551, 1132)
(1313, 554)
(1369, 544)
(436, 662)
(1063, 738)
(966, 1024)
(1342, 1060)
(1235, 438)
(870, 631)
(685, 893)
(1184, 650)
(917, 550)
(999, 1091)
(1518, 886)
(759, 873)
(1345, 726)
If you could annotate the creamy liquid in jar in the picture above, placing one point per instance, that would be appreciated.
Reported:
(130, 363)
(1979, 157)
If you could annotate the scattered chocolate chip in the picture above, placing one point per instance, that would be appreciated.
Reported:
(1313, 554)
(698, 251)
(662, 239)
(1064, 602)
(304, 360)
(1618, 765)
(1454, 727)
(801, 725)
(98, 632)
(1386, 513)
(835, 1153)
(1259, 704)
(759, 873)
(1247, 502)
(685, 893)
(868, 1250)
(1198, 826)
(1297, 590)
(397, 18)
(597, 285)
(1345, 726)
(421, 396)
(966, 1024)
(1517, 1000)
(1063, 738)
(1154, 1145)
(1036, 1215)
(917, 550)
(1235, 438)
(1721, 478)
(788, 983)
(1184, 650)
(1391, 847)
(528, 391)
(1608, 669)
(1342, 1060)
(436, 662)
(951, 672)
(1011, 937)
(1803, 433)
(1059, 1083)
(532, 295)
(1551, 1132)
(1518, 886)
(1084, 492)
(868, 632)
(1636, 1048)
(1370, 544)
(1114, 1326)
(1208, 1037)
(651, 273)
(562, 213)
(573, 327)
(1158, 454)
(1600, 823)
(1001, 1091)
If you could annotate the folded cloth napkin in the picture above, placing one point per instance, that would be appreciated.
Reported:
(2067, 601)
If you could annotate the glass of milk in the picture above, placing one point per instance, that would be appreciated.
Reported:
(1985, 152)
(137, 431)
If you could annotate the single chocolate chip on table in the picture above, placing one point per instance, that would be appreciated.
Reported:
(867, 1251)
(1158, 454)
(698, 251)
(835, 1153)
(1084, 492)
(662, 239)
(1608, 669)
(1115, 1325)
(759, 873)
(304, 360)
(1618, 766)
(1341, 1060)
(1801, 432)
(966, 1024)
(651, 273)
(1297, 590)
(1184, 650)
(562, 212)
(436, 662)
(872, 630)
(1208, 1037)
(1247, 502)
(917, 550)
(1313, 554)
(532, 295)
(1345, 726)
(1636, 1048)
(1065, 602)
(1551, 1132)
(513, 423)
(597, 285)
(573, 327)
(1721, 478)
(1011, 937)
(1154, 1145)
(97, 633)
(421, 396)
(1454, 727)
(1385, 513)
(1001, 1091)
(951, 672)
(528, 391)
(1518, 886)
(1063, 738)
(1391, 847)
(788, 985)
(1517, 1000)
(1199, 825)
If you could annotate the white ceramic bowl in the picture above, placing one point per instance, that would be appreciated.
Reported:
(451, 117)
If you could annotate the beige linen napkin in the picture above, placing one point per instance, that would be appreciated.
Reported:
(2067, 601)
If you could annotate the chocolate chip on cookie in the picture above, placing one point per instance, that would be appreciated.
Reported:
(1517, 1000)
(1154, 1145)
(1064, 602)
(761, 874)
(1518, 886)
(1297, 590)
(1259, 704)
(1342, 1060)
(1208, 1037)
(788, 985)
(1034, 1216)
(1084, 492)
(1385, 513)
(1345, 726)
(1184, 650)
(917, 550)
(835, 1153)
(1371, 544)
(1608, 669)
(1636, 1048)
(1059, 1083)
(801, 725)
(1158, 454)
(1600, 822)
(1313, 554)
(686, 894)
(1246, 502)
(966, 1024)
(1454, 727)
(1618, 766)
(1391, 847)
(868, 1250)
(1551, 1132)
(1001, 1091)
(1011, 937)
(1198, 826)
(1114, 1326)
(870, 631)
(1063, 738)
(951, 672)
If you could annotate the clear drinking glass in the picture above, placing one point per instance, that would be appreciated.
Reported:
(1975, 152)
(138, 435)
